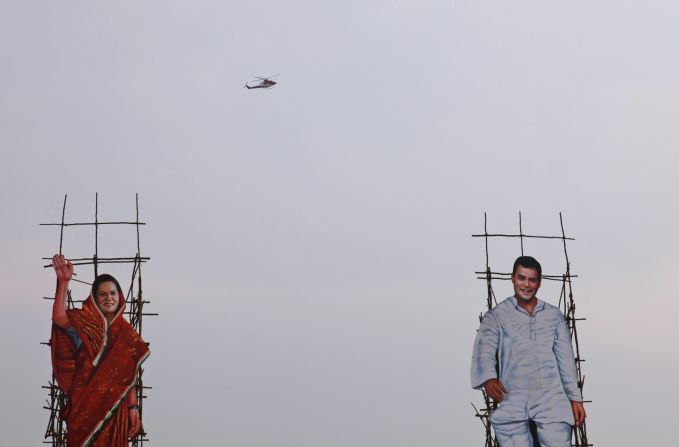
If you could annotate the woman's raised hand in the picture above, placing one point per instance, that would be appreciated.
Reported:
(62, 267)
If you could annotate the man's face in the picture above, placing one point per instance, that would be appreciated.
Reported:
(107, 298)
(526, 283)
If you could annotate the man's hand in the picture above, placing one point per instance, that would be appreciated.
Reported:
(62, 267)
(578, 412)
(495, 389)
(134, 423)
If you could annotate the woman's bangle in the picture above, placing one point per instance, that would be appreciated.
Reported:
(133, 407)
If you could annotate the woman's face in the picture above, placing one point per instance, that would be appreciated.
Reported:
(107, 298)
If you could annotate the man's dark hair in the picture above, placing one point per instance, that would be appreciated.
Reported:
(528, 262)
(105, 277)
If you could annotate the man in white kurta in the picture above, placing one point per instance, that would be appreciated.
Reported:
(524, 359)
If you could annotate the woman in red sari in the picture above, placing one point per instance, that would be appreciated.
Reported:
(96, 355)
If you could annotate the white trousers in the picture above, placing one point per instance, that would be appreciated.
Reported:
(550, 409)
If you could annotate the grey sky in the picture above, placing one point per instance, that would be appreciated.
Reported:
(320, 231)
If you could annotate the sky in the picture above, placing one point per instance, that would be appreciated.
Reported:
(311, 252)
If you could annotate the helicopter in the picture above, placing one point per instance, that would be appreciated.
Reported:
(261, 82)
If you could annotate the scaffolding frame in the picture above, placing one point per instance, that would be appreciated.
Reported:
(566, 304)
(55, 433)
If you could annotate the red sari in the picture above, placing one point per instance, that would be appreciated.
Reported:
(97, 377)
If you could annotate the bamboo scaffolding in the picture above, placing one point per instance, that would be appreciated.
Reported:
(566, 303)
(72, 224)
(508, 276)
(96, 261)
(55, 433)
(126, 259)
(522, 236)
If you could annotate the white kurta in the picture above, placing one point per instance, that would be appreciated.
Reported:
(536, 362)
